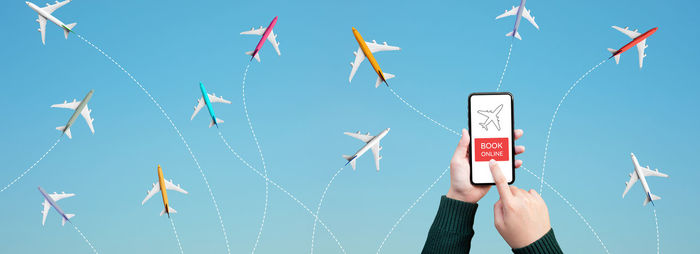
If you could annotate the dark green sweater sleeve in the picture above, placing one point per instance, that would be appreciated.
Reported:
(452, 229)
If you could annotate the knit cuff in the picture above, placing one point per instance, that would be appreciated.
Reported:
(545, 245)
(455, 216)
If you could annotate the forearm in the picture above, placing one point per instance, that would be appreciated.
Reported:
(452, 229)
(547, 244)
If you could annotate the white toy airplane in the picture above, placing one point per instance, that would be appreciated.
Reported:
(79, 107)
(373, 47)
(265, 35)
(53, 198)
(166, 185)
(640, 173)
(519, 12)
(211, 98)
(491, 117)
(638, 38)
(371, 142)
(45, 13)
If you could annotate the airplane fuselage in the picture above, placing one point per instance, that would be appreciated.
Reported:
(161, 182)
(47, 15)
(264, 37)
(640, 175)
(205, 96)
(368, 54)
(78, 110)
(371, 143)
(53, 203)
(518, 16)
(635, 41)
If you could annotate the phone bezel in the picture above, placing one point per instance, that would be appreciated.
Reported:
(471, 138)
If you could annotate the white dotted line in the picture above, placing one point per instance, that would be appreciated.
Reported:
(179, 245)
(546, 144)
(318, 209)
(282, 189)
(421, 113)
(85, 238)
(262, 158)
(505, 67)
(409, 209)
(656, 221)
(572, 208)
(211, 194)
(30, 168)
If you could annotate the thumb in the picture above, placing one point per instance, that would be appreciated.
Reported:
(463, 146)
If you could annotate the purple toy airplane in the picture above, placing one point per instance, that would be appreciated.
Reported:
(50, 200)
(520, 12)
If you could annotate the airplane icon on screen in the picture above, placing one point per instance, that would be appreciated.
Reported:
(491, 117)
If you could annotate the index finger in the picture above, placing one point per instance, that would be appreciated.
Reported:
(500, 180)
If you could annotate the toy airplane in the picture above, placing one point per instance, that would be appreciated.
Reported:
(81, 108)
(491, 117)
(638, 39)
(519, 12)
(267, 34)
(640, 173)
(371, 142)
(162, 186)
(207, 99)
(50, 201)
(366, 49)
(45, 13)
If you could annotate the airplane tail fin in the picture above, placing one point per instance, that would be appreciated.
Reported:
(617, 57)
(517, 35)
(256, 56)
(69, 215)
(386, 76)
(351, 160)
(65, 131)
(218, 121)
(651, 198)
(170, 210)
(67, 29)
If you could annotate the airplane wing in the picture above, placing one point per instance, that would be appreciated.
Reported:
(508, 13)
(200, 105)
(376, 47)
(69, 105)
(647, 172)
(153, 191)
(359, 57)
(375, 150)
(526, 15)
(45, 211)
(272, 38)
(220, 99)
(259, 32)
(42, 28)
(56, 197)
(364, 137)
(86, 115)
(640, 51)
(170, 186)
(627, 31)
(630, 183)
(50, 8)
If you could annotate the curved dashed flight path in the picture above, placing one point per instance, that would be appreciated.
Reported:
(179, 245)
(182, 138)
(318, 208)
(554, 116)
(262, 158)
(267, 179)
(500, 81)
(33, 165)
(421, 113)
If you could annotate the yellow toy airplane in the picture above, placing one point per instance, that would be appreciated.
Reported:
(162, 186)
(366, 49)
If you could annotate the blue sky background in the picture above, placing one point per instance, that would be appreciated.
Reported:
(301, 103)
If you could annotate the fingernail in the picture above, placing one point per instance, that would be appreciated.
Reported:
(492, 162)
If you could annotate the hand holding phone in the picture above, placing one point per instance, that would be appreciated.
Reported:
(491, 131)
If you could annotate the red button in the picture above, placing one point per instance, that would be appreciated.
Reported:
(491, 148)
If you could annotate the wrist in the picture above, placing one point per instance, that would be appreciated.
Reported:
(463, 195)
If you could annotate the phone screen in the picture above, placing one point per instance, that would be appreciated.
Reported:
(491, 131)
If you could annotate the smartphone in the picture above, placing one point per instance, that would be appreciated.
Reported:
(491, 132)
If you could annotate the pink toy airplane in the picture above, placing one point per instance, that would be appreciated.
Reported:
(267, 34)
